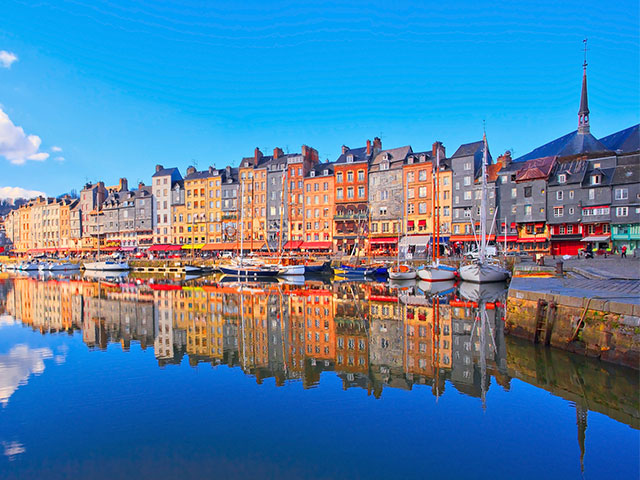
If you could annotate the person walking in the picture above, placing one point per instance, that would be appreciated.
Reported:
(624, 252)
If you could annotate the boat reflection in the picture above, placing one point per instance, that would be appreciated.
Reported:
(372, 335)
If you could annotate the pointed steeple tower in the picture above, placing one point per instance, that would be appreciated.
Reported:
(583, 113)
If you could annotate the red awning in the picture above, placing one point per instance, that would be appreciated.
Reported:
(317, 245)
(513, 225)
(422, 223)
(159, 286)
(293, 245)
(410, 223)
(109, 249)
(510, 238)
(532, 240)
(384, 241)
(127, 249)
(164, 248)
(470, 238)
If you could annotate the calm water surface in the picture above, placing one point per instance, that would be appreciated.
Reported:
(204, 379)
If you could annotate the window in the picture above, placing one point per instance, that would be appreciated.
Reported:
(374, 227)
(384, 166)
(385, 227)
(349, 176)
(422, 192)
(606, 228)
(558, 211)
(561, 230)
(571, 210)
(411, 177)
(409, 192)
(349, 158)
(340, 193)
(467, 165)
(384, 195)
(422, 175)
(560, 195)
(514, 193)
(569, 229)
(592, 212)
(571, 194)
(592, 194)
(457, 185)
(361, 192)
(527, 209)
(422, 207)
(339, 177)
(596, 179)
(562, 178)
(527, 192)
(445, 181)
(383, 210)
(622, 193)
(350, 192)
(467, 195)
(361, 175)
(622, 211)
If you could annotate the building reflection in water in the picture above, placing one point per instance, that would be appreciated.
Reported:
(372, 335)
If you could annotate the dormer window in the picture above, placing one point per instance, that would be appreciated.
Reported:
(410, 160)
(387, 156)
(562, 178)
(384, 165)
(325, 172)
(596, 179)
(349, 158)
(423, 157)
(312, 173)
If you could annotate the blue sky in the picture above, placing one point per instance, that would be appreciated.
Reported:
(120, 86)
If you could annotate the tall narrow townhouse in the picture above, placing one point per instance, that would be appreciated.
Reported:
(162, 182)
(319, 187)
(230, 197)
(298, 166)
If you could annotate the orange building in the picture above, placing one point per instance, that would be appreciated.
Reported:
(351, 196)
(319, 210)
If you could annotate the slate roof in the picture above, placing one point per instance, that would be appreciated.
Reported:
(537, 168)
(629, 173)
(319, 168)
(607, 175)
(163, 172)
(572, 143)
(203, 174)
(468, 149)
(396, 156)
(359, 155)
(626, 141)
(573, 170)
(418, 155)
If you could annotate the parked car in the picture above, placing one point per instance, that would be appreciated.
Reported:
(492, 251)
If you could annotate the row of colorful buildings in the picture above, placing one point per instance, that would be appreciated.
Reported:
(570, 192)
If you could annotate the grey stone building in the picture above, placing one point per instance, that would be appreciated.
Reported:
(625, 203)
(386, 191)
(277, 211)
(506, 193)
(465, 165)
(230, 187)
(564, 206)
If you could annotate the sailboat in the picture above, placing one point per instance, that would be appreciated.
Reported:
(401, 271)
(483, 269)
(436, 272)
(107, 265)
(243, 270)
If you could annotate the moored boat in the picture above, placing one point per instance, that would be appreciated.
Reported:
(437, 273)
(402, 272)
(106, 266)
(63, 267)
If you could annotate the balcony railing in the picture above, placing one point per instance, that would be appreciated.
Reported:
(350, 216)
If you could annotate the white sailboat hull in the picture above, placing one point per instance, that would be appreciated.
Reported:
(483, 273)
(435, 273)
(288, 270)
(58, 267)
(106, 266)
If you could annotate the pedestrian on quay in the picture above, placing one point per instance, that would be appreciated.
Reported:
(624, 252)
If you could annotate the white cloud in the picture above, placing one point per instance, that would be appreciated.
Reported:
(15, 145)
(59, 159)
(17, 366)
(7, 58)
(56, 149)
(11, 449)
(6, 320)
(18, 192)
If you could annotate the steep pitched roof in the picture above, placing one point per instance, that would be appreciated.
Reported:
(359, 155)
(468, 149)
(396, 157)
(626, 141)
(573, 143)
(537, 168)
(573, 171)
(164, 171)
(629, 173)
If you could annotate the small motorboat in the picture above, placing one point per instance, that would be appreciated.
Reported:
(106, 266)
(64, 267)
(402, 272)
(290, 270)
(483, 272)
(192, 270)
(354, 271)
(250, 271)
(318, 267)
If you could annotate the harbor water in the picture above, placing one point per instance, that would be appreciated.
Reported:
(147, 378)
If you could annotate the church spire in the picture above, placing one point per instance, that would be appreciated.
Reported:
(583, 113)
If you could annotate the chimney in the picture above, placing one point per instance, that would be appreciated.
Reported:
(191, 170)
(504, 159)
(228, 170)
(304, 151)
(124, 184)
(377, 145)
(257, 155)
(368, 147)
(277, 152)
(344, 149)
(140, 185)
(158, 168)
(434, 150)
(210, 170)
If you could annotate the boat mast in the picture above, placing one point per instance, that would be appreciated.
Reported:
(483, 204)
(437, 180)
(284, 184)
(241, 222)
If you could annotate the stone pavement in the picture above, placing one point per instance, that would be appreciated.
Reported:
(612, 267)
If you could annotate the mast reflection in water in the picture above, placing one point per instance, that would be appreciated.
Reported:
(375, 337)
